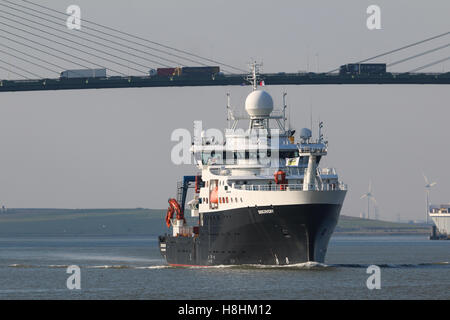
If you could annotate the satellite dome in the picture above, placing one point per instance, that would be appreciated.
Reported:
(259, 104)
(305, 134)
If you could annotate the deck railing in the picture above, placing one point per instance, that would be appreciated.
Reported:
(290, 187)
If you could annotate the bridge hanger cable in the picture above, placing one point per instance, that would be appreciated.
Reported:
(9, 70)
(45, 52)
(418, 55)
(75, 42)
(406, 47)
(430, 64)
(71, 47)
(85, 39)
(105, 33)
(99, 31)
(30, 62)
(139, 38)
(398, 49)
(53, 49)
(37, 58)
(110, 35)
(21, 69)
(91, 35)
(32, 56)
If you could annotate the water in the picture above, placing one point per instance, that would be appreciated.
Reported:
(412, 267)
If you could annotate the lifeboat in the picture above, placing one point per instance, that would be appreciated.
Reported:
(280, 179)
(214, 195)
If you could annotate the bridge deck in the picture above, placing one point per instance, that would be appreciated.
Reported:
(221, 80)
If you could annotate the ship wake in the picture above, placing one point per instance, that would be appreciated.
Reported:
(311, 265)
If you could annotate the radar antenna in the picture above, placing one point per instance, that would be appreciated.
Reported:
(254, 77)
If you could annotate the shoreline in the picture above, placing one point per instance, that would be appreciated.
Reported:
(382, 233)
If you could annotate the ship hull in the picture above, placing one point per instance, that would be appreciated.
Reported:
(272, 235)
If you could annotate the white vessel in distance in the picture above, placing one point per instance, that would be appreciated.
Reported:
(441, 218)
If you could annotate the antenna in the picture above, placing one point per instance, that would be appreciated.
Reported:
(228, 110)
(254, 75)
(320, 131)
(284, 112)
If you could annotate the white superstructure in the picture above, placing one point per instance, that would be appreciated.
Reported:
(240, 170)
(260, 196)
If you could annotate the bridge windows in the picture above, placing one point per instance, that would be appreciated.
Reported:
(212, 157)
(288, 154)
(237, 156)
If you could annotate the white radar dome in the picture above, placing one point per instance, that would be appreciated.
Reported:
(259, 104)
(305, 134)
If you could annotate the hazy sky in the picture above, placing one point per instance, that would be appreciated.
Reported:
(111, 148)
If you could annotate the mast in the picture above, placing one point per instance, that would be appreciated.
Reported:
(254, 75)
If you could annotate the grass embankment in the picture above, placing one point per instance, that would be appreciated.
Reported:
(353, 225)
(16, 222)
(82, 222)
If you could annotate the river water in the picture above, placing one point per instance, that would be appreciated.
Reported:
(124, 267)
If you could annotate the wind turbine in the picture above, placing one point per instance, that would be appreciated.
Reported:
(377, 214)
(427, 191)
(369, 197)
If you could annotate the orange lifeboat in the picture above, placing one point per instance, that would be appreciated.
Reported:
(280, 178)
(174, 207)
(214, 195)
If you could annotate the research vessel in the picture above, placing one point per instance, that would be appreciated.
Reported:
(259, 197)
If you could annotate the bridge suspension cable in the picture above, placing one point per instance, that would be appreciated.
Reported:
(79, 37)
(32, 56)
(46, 52)
(418, 55)
(72, 47)
(21, 69)
(90, 34)
(398, 49)
(430, 64)
(190, 55)
(15, 72)
(28, 61)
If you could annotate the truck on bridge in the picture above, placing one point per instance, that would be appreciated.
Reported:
(363, 68)
(187, 71)
(83, 73)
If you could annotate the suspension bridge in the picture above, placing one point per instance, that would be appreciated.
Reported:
(36, 48)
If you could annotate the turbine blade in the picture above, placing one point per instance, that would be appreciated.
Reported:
(425, 177)
(432, 184)
(364, 196)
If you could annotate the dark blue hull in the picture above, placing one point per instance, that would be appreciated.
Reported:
(259, 235)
